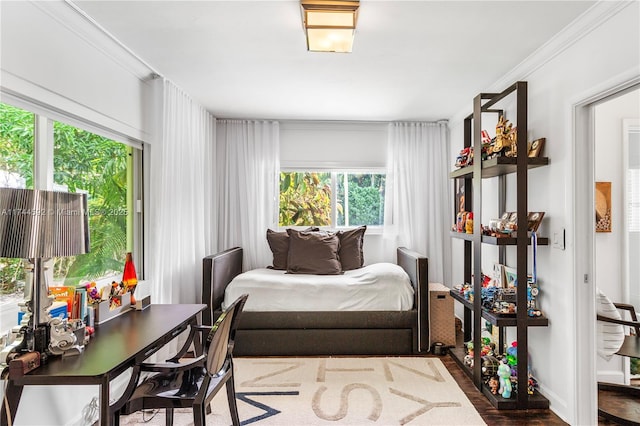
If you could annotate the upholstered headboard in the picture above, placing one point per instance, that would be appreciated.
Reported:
(217, 272)
(417, 267)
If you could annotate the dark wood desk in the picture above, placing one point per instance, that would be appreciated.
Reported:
(120, 343)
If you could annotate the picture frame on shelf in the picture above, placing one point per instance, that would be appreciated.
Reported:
(511, 277)
(498, 275)
(536, 147)
(533, 220)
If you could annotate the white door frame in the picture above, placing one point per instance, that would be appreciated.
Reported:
(583, 167)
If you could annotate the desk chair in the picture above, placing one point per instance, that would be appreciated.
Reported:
(193, 382)
(616, 402)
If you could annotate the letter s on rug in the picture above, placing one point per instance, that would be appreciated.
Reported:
(376, 409)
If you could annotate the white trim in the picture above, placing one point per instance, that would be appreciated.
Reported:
(89, 31)
(39, 100)
(353, 167)
(581, 188)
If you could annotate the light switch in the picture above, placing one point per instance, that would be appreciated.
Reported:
(557, 239)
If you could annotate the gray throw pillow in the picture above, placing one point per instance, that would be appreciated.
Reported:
(351, 248)
(313, 253)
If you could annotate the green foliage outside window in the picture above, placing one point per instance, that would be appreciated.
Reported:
(83, 162)
(305, 199)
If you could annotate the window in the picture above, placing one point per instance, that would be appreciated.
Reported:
(85, 162)
(92, 164)
(335, 198)
(16, 171)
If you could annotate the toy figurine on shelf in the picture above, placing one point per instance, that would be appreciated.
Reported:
(494, 384)
(461, 219)
(465, 158)
(504, 374)
(469, 223)
(505, 140)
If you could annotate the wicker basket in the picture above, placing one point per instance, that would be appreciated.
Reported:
(442, 319)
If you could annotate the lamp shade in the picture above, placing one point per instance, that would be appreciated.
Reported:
(42, 224)
(329, 24)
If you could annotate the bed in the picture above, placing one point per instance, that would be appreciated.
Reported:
(323, 332)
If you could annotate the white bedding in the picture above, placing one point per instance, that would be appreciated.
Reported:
(376, 287)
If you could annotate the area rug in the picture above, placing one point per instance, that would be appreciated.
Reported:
(336, 391)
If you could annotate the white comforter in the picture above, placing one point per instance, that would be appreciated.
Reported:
(377, 287)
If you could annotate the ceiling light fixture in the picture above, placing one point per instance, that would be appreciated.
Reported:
(329, 24)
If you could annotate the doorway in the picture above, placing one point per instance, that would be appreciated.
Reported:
(617, 205)
(583, 240)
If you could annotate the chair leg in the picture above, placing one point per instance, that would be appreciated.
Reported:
(169, 416)
(198, 415)
(231, 397)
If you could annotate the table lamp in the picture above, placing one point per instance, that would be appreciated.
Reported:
(38, 225)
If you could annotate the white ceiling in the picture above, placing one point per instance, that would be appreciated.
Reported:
(412, 60)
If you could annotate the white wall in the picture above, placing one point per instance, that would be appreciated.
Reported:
(602, 50)
(338, 144)
(54, 57)
(57, 62)
(611, 166)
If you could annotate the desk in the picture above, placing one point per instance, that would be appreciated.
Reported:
(120, 343)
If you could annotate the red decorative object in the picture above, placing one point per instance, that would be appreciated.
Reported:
(129, 277)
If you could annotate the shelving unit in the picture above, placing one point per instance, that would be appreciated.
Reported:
(474, 313)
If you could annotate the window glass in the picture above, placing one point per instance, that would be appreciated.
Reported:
(364, 203)
(337, 198)
(89, 163)
(16, 171)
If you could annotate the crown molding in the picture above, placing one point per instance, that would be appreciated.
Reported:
(72, 18)
(579, 28)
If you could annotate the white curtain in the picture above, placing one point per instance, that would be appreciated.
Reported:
(417, 200)
(247, 175)
(180, 186)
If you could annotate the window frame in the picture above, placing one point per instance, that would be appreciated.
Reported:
(334, 171)
(43, 163)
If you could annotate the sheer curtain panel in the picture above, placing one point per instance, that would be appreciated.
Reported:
(247, 174)
(417, 193)
(181, 188)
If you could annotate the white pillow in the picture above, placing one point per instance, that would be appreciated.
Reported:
(610, 336)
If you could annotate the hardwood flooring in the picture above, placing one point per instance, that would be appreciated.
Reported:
(491, 415)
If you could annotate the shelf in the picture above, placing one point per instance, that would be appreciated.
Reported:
(500, 320)
(502, 241)
(462, 235)
(499, 166)
(536, 400)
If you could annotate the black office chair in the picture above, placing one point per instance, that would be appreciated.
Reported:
(617, 402)
(193, 382)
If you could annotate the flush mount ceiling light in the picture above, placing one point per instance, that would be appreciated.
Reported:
(329, 24)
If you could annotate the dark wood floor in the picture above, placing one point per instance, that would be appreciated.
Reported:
(491, 415)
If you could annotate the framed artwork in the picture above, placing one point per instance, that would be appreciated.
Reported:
(535, 148)
(511, 277)
(603, 206)
(534, 219)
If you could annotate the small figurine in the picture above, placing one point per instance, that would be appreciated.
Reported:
(504, 373)
(469, 223)
(493, 384)
(461, 220)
